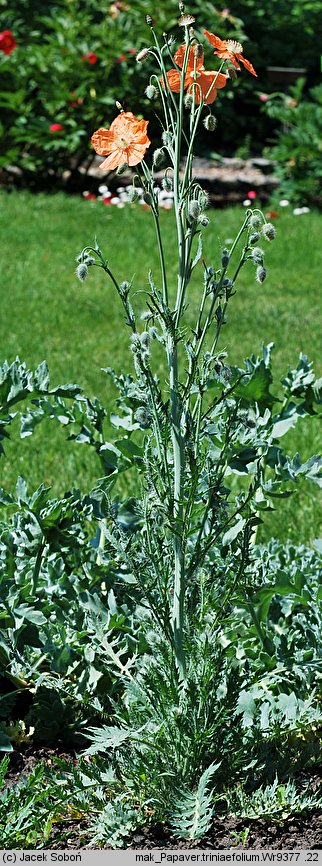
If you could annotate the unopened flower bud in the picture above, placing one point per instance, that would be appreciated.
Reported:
(142, 55)
(194, 209)
(198, 50)
(188, 100)
(203, 199)
(82, 271)
(124, 289)
(166, 138)
(145, 339)
(158, 157)
(119, 106)
(261, 274)
(255, 221)
(167, 183)
(133, 195)
(151, 91)
(148, 20)
(210, 123)
(258, 255)
(254, 238)
(142, 417)
(225, 258)
(122, 168)
(147, 197)
(203, 220)
(232, 73)
(269, 231)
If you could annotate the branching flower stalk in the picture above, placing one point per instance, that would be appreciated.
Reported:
(184, 89)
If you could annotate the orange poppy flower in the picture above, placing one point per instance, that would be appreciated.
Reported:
(125, 141)
(196, 76)
(228, 49)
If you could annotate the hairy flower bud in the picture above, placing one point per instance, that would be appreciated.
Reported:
(225, 257)
(188, 100)
(145, 339)
(167, 183)
(122, 168)
(261, 274)
(254, 238)
(124, 289)
(255, 221)
(148, 20)
(82, 271)
(269, 231)
(194, 209)
(133, 195)
(210, 123)
(203, 199)
(147, 197)
(198, 50)
(142, 55)
(151, 91)
(158, 157)
(166, 137)
(258, 255)
(203, 220)
(142, 417)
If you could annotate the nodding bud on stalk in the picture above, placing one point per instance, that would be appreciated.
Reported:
(203, 199)
(194, 209)
(258, 255)
(124, 289)
(151, 91)
(134, 195)
(269, 231)
(254, 238)
(198, 50)
(158, 157)
(255, 221)
(210, 123)
(82, 271)
(261, 274)
(122, 168)
(147, 197)
(167, 183)
(188, 100)
(142, 55)
(166, 138)
(203, 220)
(225, 258)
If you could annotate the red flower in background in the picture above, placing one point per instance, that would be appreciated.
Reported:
(90, 57)
(121, 58)
(7, 42)
(55, 127)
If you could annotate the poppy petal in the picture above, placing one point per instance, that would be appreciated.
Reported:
(135, 153)
(214, 40)
(247, 64)
(174, 79)
(116, 158)
(102, 141)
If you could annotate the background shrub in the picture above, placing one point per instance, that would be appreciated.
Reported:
(70, 66)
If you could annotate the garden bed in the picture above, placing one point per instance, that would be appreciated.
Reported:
(296, 832)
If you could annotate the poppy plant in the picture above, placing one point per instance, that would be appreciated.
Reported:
(7, 42)
(228, 49)
(205, 83)
(124, 142)
(55, 127)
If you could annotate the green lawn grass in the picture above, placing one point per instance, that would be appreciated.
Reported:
(47, 313)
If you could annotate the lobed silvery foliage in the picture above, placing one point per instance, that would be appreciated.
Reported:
(157, 614)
